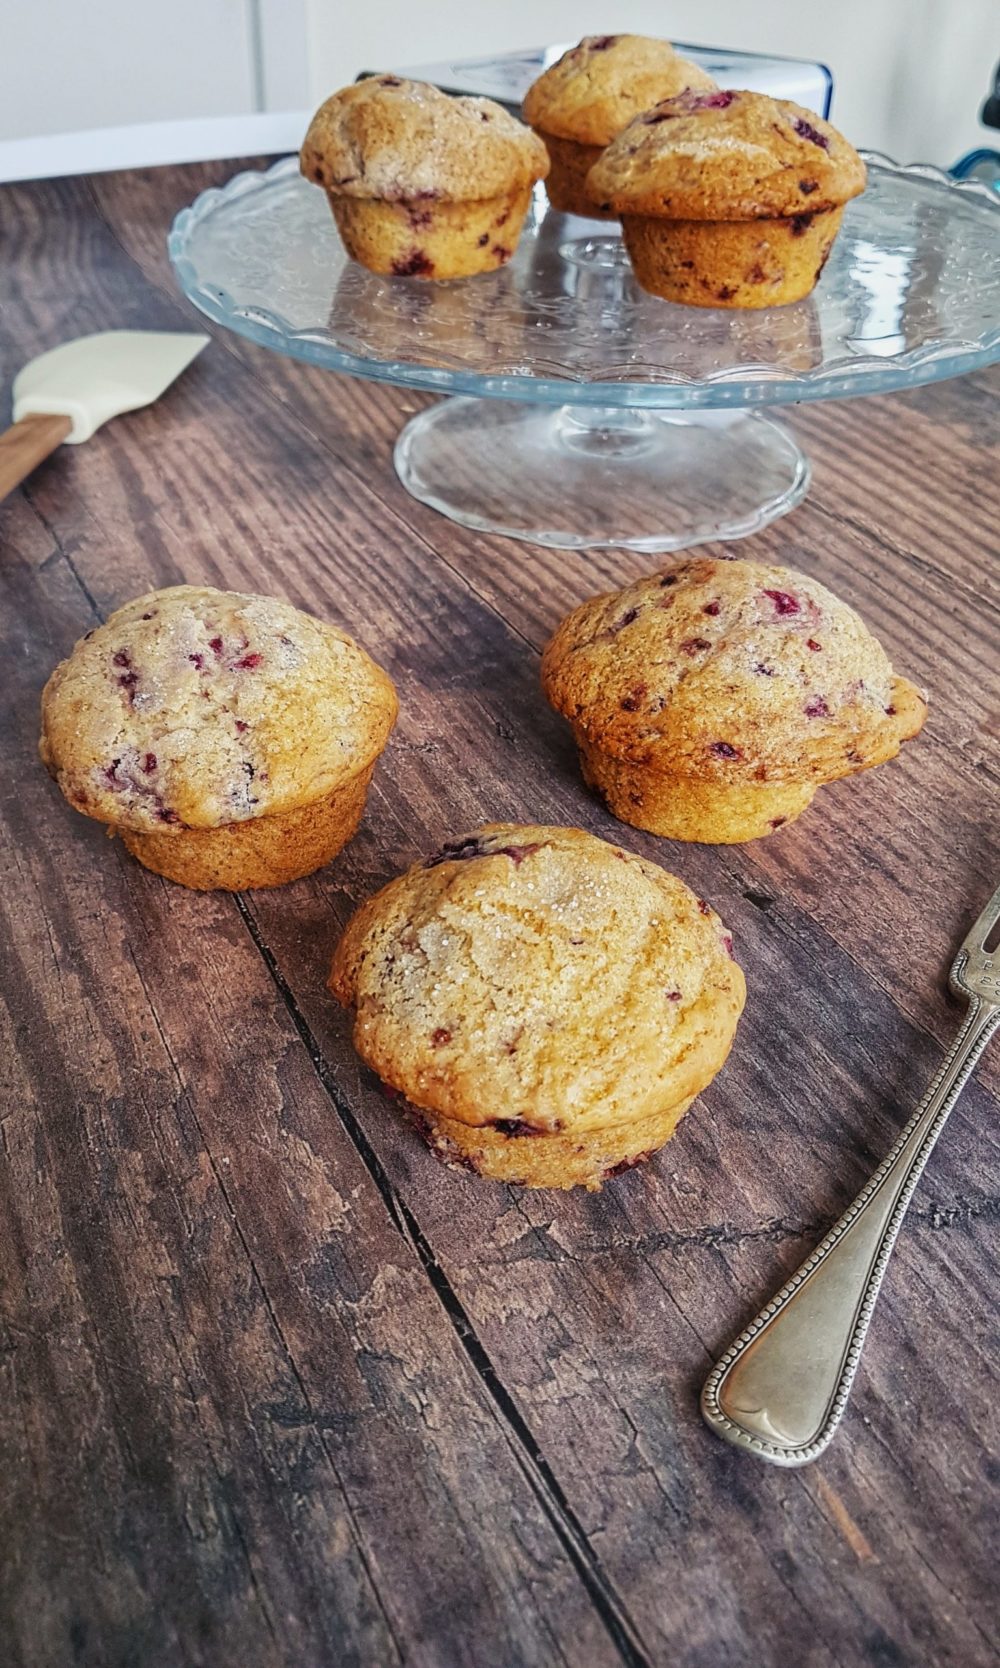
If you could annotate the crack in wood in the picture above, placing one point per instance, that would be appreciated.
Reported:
(715, 1236)
(60, 550)
(316, 1423)
(619, 1625)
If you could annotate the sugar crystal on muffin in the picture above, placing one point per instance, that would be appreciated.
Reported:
(709, 702)
(579, 104)
(228, 737)
(728, 199)
(548, 1004)
(423, 185)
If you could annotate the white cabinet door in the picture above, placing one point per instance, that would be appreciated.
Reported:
(68, 65)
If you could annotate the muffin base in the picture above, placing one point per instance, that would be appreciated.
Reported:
(539, 1160)
(428, 238)
(731, 263)
(566, 185)
(685, 808)
(266, 851)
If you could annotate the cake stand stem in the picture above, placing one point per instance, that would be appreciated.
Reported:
(587, 477)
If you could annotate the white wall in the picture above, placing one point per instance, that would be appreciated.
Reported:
(68, 65)
(910, 74)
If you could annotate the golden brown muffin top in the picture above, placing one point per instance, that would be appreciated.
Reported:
(727, 156)
(398, 140)
(539, 976)
(730, 671)
(193, 708)
(596, 88)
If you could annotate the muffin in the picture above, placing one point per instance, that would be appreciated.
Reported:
(728, 199)
(582, 102)
(228, 738)
(548, 1005)
(422, 185)
(710, 702)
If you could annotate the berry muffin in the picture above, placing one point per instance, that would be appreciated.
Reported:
(422, 185)
(710, 702)
(582, 102)
(728, 199)
(548, 1005)
(228, 738)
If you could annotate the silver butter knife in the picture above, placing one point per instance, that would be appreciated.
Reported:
(781, 1389)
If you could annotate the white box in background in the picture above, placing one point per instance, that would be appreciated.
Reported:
(507, 76)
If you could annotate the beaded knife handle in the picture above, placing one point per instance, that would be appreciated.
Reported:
(781, 1389)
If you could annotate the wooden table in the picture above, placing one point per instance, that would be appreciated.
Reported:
(277, 1388)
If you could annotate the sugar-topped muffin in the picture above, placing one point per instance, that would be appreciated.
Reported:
(728, 199)
(709, 702)
(549, 1004)
(228, 738)
(423, 185)
(585, 99)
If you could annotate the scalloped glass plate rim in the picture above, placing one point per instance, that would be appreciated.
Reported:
(743, 385)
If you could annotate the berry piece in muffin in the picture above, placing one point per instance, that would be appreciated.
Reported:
(584, 100)
(228, 738)
(548, 1004)
(423, 185)
(709, 702)
(728, 199)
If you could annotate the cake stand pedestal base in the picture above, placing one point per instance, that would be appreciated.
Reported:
(592, 477)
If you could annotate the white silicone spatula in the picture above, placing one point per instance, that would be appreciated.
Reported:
(67, 393)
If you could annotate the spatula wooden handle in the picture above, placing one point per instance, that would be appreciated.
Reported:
(26, 444)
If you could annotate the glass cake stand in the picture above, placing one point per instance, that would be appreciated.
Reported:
(583, 412)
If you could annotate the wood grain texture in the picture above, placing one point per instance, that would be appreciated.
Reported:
(26, 444)
(278, 1389)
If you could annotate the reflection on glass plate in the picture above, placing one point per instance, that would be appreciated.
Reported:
(911, 293)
